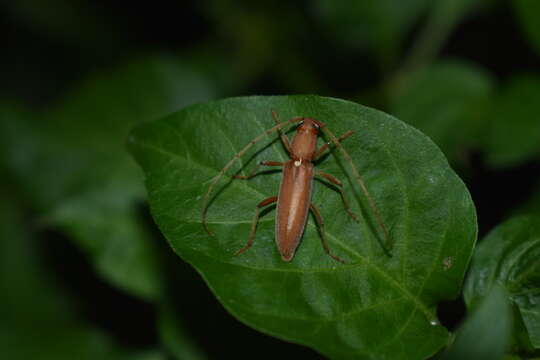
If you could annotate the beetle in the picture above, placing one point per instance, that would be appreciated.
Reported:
(294, 198)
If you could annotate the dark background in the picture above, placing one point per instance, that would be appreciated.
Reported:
(48, 50)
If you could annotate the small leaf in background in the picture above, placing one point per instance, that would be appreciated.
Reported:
(374, 306)
(508, 256)
(513, 135)
(476, 339)
(72, 164)
(448, 102)
(39, 318)
(527, 13)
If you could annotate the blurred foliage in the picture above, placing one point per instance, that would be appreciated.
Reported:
(443, 17)
(173, 335)
(448, 102)
(380, 27)
(532, 204)
(78, 75)
(475, 340)
(39, 319)
(508, 256)
(77, 174)
(256, 43)
(74, 21)
(375, 26)
(527, 12)
(513, 136)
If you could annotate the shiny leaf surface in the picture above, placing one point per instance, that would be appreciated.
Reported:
(373, 307)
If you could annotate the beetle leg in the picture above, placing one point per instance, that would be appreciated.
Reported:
(325, 146)
(320, 222)
(283, 137)
(254, 172)
(339, 187)
(206, 199)
(262, 204)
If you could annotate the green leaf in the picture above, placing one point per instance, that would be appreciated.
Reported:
(514, 133)
(527, 13)
(508, 256)
(448, 102)
(480, 337)
(372, 307)
(71, 162)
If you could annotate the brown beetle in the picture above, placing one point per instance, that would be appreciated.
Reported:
(294, 199)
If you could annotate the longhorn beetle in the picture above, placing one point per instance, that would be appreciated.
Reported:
(294, 199)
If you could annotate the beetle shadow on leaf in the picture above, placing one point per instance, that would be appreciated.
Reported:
(360, 200)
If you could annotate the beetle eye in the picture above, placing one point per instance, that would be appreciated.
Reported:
(316, 126)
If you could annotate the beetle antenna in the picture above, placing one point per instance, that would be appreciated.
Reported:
(237, 156)
(388, 242)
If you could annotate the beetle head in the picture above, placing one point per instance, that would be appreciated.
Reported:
(309, 125)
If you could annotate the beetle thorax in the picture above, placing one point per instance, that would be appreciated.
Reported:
(304, 143)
